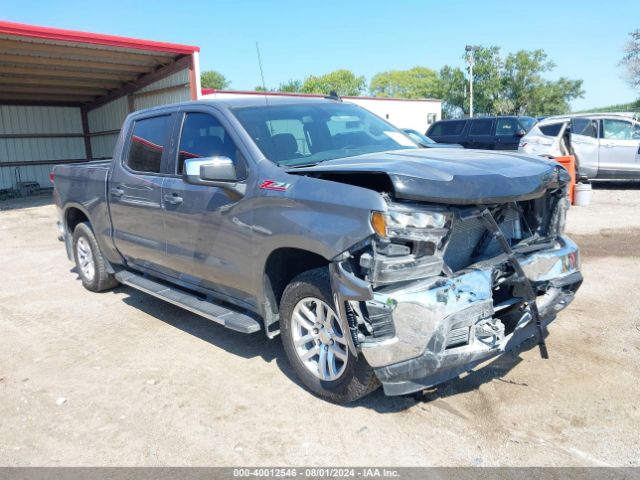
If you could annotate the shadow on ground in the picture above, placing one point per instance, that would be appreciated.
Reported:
(257, 345)
(27, 202)
(616, 184)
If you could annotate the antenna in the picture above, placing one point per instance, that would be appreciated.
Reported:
(264, 86)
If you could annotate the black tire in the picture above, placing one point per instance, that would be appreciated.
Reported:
(102, 279)
(358, 378)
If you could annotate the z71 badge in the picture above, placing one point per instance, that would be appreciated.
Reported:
(273, 185)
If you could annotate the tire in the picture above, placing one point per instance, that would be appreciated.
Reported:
(86, 253)
(351, 378)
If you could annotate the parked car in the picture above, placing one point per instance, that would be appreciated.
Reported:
(312, 219)
(605, 145)
(427, 142)
(485, 133)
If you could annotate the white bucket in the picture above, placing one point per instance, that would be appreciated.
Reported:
(582, 194)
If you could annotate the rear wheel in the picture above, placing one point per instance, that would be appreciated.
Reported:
(90, 263)
(315, 341)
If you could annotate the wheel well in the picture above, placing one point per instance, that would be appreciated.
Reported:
(284, 264)
(75, 216)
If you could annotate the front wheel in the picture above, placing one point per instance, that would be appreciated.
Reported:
(315, 341)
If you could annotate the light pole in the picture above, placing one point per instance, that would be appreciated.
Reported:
(470, 60)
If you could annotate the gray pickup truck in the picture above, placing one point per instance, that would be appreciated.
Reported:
(376, 261)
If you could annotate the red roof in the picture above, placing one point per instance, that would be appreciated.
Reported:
(209, 91)
(48, 33)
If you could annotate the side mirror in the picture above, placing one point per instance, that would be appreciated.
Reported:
(212, 172)
(520, 132)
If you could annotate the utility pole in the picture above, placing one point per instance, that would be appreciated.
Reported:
(470, 60)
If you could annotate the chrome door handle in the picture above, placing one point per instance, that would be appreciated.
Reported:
(117, 192)
(610, 145)
(173, 199)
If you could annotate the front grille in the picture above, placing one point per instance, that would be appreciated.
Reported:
(466, 234)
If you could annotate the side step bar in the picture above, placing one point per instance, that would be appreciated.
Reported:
(232, 319)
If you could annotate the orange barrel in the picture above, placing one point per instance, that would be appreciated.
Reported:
(569, 162)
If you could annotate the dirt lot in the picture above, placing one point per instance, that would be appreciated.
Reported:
(121, 378)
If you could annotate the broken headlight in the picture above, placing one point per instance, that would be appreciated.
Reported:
(559, 217)
(409, 244)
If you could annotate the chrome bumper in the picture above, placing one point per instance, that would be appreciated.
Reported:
(446, 326)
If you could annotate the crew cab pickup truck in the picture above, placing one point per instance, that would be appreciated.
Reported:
(376, 261)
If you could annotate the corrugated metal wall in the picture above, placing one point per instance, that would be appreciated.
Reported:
(27, 120)
(112, 115)
(104, 122)
(107, 118)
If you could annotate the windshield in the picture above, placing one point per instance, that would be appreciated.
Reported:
(305, 134)
(527, 123)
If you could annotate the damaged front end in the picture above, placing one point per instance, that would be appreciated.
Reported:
(442, 288)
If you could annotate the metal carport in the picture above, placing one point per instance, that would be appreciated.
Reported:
(64, 94)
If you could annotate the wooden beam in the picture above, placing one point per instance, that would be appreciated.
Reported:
(41, 103)
(27, 163)
(42, 97)
(36, 89)
(142, 82)
(44, 72)
(90, 83)
(87, 132)
(136, 58)
(12, 136)
(81, 65)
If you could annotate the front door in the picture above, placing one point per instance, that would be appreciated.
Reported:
(209, 233)
(135, 190)
(619, 149)
(507, 130)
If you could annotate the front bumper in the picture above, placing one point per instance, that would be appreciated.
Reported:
(447, 326)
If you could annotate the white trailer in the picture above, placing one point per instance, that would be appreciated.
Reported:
(416, 114)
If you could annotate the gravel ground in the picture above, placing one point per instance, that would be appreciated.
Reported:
(121, 378)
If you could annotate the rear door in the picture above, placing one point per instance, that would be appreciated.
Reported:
(619, 145)
(481, 134)
(135, 190)
(585, 144)
(209, 236)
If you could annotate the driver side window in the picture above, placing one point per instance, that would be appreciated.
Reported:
(204, 136)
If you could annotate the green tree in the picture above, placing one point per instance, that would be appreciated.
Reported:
(514, 85)
(343, 82)
(292, 86)
(631, 60)
(213, 79)
(452, 92)
(417, 82)
(529, 93)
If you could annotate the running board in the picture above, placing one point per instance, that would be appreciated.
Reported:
(231, 319)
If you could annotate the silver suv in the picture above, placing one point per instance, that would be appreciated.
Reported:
(606, 145)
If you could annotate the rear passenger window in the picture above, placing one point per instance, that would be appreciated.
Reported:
(584, 126)
(204, 136)
(148, 143)
(453, 127)
(481, 127)
(551, 130)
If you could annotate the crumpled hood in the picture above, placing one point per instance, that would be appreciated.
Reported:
(462, 177)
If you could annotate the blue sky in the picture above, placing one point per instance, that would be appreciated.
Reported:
(298, 38)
